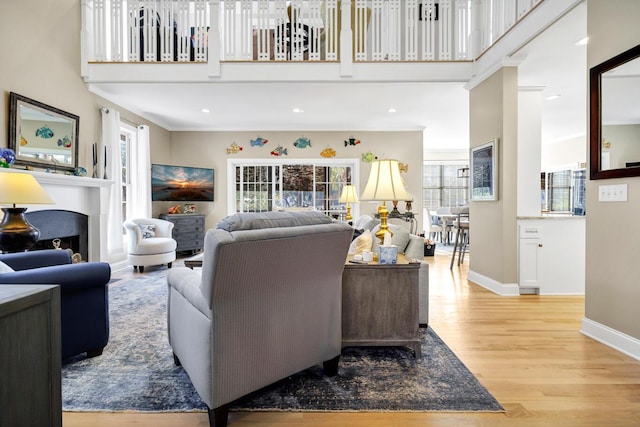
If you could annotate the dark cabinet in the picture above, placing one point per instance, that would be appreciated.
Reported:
(188, 230)
(30, 353)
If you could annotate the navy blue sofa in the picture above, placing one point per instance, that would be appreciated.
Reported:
(83, 290)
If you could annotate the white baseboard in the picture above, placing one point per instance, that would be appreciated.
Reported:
(615, 339)
(503, 289)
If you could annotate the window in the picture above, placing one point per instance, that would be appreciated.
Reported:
(259, 185)
(563, 191)
(445, 184)
(127, 137)
(559, 191)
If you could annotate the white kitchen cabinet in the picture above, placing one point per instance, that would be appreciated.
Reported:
(551, 256)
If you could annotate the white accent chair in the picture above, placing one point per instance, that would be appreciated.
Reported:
(153, 247)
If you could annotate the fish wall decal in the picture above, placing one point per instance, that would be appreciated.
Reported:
(234, 149)
(258, 142)
(279, 151)
(351, 141)
(302, 142)
(328, 152)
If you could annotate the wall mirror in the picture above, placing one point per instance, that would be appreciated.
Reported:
(42, 135)
(615, 116)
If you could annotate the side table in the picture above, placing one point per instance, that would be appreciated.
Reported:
(380, 304)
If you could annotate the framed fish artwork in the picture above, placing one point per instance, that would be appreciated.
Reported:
(42, 135)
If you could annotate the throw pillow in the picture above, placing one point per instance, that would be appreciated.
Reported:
(361, 243)
(400, 237)
(147, 230)
(4, 268)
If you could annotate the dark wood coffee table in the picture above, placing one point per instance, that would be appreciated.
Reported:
(194, 261)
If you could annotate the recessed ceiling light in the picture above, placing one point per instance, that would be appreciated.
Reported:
(206, 110)
(552, 97)
(582, 41)
(392, 110)
(298, 110)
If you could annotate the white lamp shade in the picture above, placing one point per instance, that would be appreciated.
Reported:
(349, 194)
(385, 182)
(23, 189)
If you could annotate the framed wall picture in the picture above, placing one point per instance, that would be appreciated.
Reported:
(484, 171)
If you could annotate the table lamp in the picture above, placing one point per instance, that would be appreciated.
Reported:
(16, 234)
(385, 183)
(347, 196)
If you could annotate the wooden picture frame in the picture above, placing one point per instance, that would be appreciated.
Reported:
(483, 164)
(41, 135)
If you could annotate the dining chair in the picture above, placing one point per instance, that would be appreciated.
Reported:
(431, 228)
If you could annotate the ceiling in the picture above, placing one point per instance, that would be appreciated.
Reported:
(440, 109)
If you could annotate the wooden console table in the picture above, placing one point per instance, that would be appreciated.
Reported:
(380, 304)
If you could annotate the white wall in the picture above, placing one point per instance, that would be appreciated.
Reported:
(571, 151)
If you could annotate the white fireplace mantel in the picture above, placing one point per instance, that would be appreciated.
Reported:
(89, 196)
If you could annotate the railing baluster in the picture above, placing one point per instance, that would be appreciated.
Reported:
(331, 30)
(428, 26)
(245, 47)
(463, 29)
(181, 16)
(133, 32)
(200, 30)
(377, 30)
(360, 38)
(315, 21)
(116, 31)
(395, 39)
(411, 30)
(280, 34)
(99, 33)
(445, 30)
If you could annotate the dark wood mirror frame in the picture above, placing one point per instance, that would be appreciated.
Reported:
(37, 157)
(595, 117)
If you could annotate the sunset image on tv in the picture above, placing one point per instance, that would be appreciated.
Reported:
(181, 183)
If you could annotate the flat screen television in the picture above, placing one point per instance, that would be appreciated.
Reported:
(181, 184)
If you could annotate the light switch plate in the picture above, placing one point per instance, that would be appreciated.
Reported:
(612, 193)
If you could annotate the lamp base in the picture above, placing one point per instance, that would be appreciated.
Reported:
(16, 234)
(384, 228)
(348, 217)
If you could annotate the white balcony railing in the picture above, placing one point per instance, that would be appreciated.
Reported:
(297, 30)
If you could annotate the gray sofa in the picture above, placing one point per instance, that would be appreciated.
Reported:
(412, 246)
(266, 304)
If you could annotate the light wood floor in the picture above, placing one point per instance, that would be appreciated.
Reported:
(526, 350)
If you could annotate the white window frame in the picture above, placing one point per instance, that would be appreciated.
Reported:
(132, 137)
(353, 163)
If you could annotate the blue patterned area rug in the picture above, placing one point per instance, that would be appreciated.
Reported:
(136, 371)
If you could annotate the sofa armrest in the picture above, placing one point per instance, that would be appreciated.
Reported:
(187, 283)
(415, 247)
(70, 277)
(36, 259)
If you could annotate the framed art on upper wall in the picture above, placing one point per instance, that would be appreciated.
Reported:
(484, 171)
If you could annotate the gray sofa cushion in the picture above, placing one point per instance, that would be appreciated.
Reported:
(259, 220)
